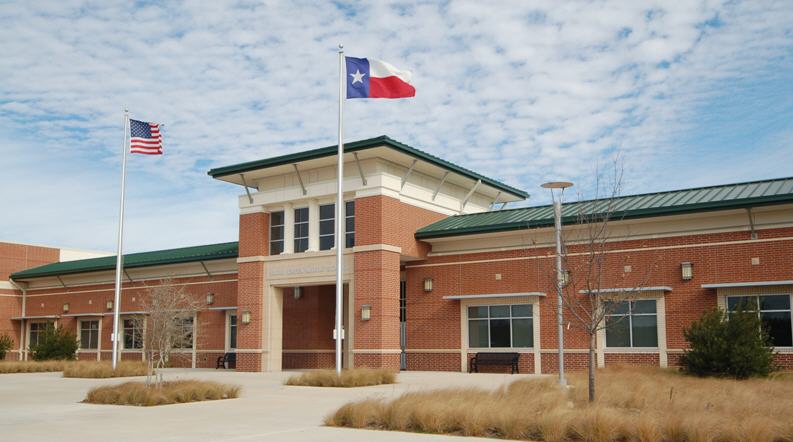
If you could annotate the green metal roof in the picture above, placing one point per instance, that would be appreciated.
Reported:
(723, 197)
(360, 145)
(133, 260)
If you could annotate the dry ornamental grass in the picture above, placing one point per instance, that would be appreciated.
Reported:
(175, 392)
(633, 405)
(8, 367)
(101, 369)
(358, 377)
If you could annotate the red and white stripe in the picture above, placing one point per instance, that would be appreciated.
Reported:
(147, 146)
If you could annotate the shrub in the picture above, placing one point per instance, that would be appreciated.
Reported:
(737, 346)
(358, 377)
(55, 343)
(103, 369)
(140, 394)
(5, 344)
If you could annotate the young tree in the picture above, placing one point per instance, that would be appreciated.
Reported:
(6, 342)
(168, 324)
(591, 274)
(55, 343)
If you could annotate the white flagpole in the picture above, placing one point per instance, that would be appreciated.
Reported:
(119, 256)
(340, 240)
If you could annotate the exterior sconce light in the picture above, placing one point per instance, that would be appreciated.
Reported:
(210, 298)
(109, 304)
(298, 292)
(66, 307)
(686, 271)
(427, 284)
(366, 312)
(565, 278)
(246, 317)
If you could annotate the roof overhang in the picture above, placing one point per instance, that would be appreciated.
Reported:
(246, 174)
(493, 295)
(727, 285)
(20, 318)
(83, 315)
(222, 308)
(659, 288)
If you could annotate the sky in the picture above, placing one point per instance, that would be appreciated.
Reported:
(685, 93)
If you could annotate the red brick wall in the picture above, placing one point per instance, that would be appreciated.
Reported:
(433, 361)
(308, 322)
(254, 241)
(650, 359)
(308, 360)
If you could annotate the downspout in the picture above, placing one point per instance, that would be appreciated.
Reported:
(22, 321)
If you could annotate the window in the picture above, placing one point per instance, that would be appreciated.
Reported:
(349, 224)
(232, 331)
(276, 233)
(632, 324)
(185, 338)
(301, 229)
(327, 216)
(774, 312)
(132, 334)
(37, 330)
(89, 334)
(497, 326)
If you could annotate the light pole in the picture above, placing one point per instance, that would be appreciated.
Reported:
(557, 215)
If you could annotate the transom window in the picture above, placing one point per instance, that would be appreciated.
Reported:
(327, 216)
(89, 334)
(632, 324)
(497, 326)
(276, 233)
(774, 312)
(132, 334)
(37, 330)
(301, 229)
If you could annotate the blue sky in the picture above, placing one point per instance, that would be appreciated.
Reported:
(686, 93)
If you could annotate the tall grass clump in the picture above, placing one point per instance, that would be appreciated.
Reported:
(357, 377)
(102, 369)
(633, 404)
(9, 367)
(174, 392)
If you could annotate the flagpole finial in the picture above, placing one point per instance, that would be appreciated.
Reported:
(341, 47)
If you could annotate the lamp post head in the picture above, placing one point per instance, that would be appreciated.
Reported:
(557, 185)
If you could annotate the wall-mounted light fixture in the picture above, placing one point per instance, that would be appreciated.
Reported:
(366, 312)
(298, 292)
(210, 298)
(246, 317)
(686, 271)
(66, 307)
(565, 277)
(109, 304)
(427, 284)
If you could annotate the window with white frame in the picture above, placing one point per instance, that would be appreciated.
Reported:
(89, 335)
(37, 330)
(184, 338)
(301, 229)
(276, 233)
(132, 334)
(232, 331)
(632, 324)
(497, 326)
(349, 224)
(774, 312)
(327, 226)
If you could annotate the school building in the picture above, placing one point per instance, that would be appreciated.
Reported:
(435, 270)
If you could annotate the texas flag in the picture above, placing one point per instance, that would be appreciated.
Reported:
(369, 78)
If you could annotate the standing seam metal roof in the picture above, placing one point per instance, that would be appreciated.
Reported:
(721, 197)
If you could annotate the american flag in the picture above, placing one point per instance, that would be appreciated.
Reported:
(145, 138)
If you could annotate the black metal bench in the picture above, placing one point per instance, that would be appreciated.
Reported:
(228, 360)
(505, 359)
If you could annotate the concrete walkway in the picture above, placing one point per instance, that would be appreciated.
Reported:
(46, 407)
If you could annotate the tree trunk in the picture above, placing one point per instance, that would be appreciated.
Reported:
(592, 366)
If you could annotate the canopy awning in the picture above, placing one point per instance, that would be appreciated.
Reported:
(660, 288)
(19, 318)
(494, 295)
(222, 308)
(727, 285)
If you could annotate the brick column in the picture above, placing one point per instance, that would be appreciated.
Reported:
(254, 242)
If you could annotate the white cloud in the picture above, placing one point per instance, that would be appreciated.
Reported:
(523, 92)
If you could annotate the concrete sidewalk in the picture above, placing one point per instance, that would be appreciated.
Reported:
(46, 407)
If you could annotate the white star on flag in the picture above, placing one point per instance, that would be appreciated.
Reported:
(357, 77)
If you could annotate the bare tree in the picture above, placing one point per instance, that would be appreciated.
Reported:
(168, 324)
(595, 285)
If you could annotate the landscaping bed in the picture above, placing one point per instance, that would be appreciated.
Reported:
(358, 377)
(9, 367)
(633, 404)
(103, 369)
(174, 392)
